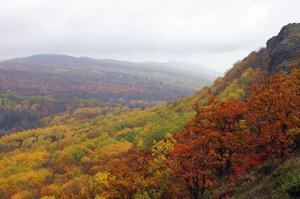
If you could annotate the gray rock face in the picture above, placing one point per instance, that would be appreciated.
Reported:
(284, 48)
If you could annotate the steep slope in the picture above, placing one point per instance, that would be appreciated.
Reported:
(51, 160)
(276, 180)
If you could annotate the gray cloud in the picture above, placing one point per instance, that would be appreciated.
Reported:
(213, 33)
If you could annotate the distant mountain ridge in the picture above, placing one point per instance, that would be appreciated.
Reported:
(65, 60)
(107, 80)
(154, 70)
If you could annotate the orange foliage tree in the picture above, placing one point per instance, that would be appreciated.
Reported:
(230, 137)
(273, 118)
(127, 171)
(205, 148)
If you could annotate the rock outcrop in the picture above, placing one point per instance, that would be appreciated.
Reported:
(284, 49)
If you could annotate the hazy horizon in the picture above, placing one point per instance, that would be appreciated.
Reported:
(174, 64)
(139, 30)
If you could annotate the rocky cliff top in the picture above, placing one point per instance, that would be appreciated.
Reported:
(284, 48)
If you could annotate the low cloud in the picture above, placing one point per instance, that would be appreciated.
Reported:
(211, 33)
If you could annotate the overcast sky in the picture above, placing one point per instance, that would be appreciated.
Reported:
(212, 33)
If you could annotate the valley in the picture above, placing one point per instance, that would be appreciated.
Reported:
(85, 128)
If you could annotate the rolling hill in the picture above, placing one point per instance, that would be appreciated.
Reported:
(44, 85)
(107, 80)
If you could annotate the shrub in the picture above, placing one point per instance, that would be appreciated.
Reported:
(292, 184)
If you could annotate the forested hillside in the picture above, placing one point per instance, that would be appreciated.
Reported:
(44, 85)
(66, 77)
(235, 138)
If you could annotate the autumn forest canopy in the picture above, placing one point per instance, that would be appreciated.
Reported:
(83, 128)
